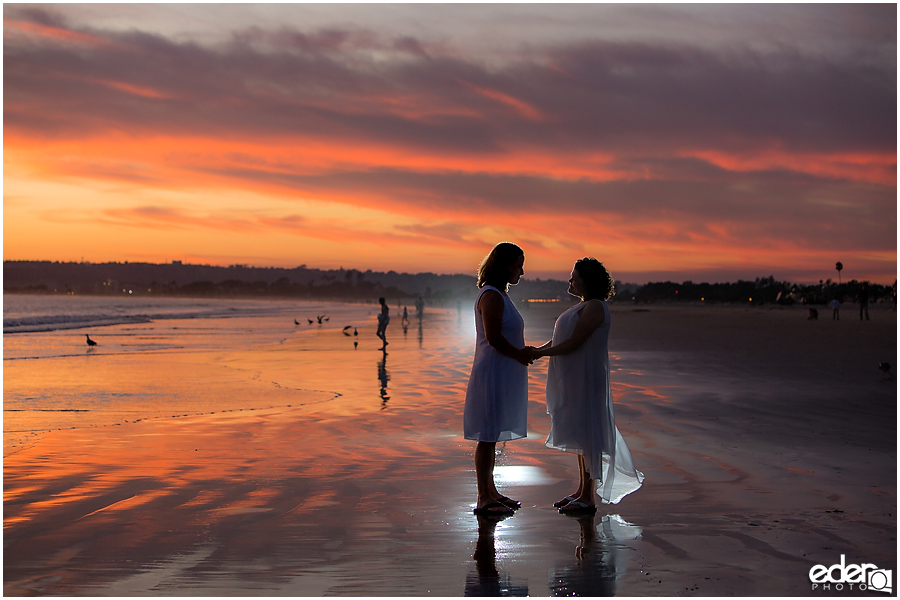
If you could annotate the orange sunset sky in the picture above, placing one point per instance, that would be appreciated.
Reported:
(702, 142)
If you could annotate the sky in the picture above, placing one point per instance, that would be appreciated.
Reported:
(704, 142)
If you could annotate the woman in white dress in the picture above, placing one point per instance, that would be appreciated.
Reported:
(579, 398)
(497, 393)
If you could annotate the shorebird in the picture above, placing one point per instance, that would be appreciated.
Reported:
(296, 322)
(345, 330)
(320, 319)
(355, 332)
(310, 320)
(90, 342)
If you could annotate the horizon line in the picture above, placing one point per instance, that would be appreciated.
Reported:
(620, 281)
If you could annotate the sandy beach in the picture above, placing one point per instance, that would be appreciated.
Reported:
(311, 467)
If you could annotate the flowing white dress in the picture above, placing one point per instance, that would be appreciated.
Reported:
(497, 394)
(579, 400)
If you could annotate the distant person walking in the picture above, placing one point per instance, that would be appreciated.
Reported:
(579, 397)
(497, 393)
(864, 301)
(835, 310)
(383, 319)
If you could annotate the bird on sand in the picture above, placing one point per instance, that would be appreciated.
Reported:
(355, 332)
(320, 319)
(310, 320)
(90, 342)
(296, 322)
(346, 329)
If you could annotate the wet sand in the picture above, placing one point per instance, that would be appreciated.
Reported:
(768, 443)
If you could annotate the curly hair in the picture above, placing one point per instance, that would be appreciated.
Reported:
(494, 268)
(598, 283)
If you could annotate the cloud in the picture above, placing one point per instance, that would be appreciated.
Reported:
(675, 138)
(631, 98)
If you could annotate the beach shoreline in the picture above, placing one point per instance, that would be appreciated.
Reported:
(768, 443)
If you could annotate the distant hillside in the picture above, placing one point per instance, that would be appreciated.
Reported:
(179, 279)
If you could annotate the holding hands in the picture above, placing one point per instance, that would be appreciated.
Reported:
(528, 354)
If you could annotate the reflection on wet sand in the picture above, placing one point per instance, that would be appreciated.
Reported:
(288, 480)
(383, 378)
(597, 564)
(487, 580)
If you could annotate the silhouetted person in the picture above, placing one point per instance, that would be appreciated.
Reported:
(579, 397)
(864, 301)
(420, 307)
(835, 310)
(404, 322)
(383, 319)
(496, 408)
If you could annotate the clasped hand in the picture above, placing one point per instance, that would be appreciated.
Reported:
(529, 354)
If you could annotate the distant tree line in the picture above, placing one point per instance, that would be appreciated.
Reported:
(765, 290)
(177, 279)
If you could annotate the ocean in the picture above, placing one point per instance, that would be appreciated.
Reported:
(169, 357)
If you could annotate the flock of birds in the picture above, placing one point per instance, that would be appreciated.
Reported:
(324, 318)
(318, 318)
(884, 367)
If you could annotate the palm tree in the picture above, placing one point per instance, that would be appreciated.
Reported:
(839, 267)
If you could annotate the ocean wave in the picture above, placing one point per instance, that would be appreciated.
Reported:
(40, 314)
(59, 322)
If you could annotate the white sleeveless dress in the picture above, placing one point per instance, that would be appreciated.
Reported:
(497, 394)
(579, 400)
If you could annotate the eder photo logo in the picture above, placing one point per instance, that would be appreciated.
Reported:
(842, 576)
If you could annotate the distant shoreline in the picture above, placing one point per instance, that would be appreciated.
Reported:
(351, 285)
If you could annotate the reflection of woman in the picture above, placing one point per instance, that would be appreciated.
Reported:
(579, 398)
(487, 580)
(596, 570)
(497, 393)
